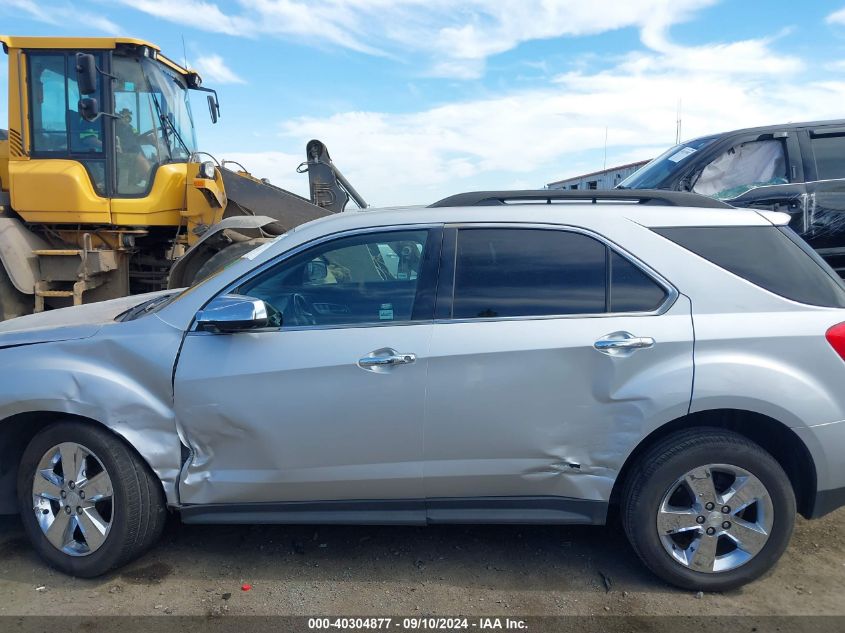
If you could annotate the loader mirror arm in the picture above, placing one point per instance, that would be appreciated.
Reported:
(89, 109)
(213, 102)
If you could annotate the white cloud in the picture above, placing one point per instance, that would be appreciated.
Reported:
(212, 67)
(60, 14)
(454, 37)
(205, 16)
(546, 134)
(837, 17)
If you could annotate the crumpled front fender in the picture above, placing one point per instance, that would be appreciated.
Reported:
(120, 378)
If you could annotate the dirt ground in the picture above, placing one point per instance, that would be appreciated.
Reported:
(444, 570)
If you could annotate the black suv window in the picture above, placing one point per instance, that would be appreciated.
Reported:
(370, 278)
(537, 272)
(771, 257)
(829, 152)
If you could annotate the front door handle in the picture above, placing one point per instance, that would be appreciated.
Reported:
(620, 342)
(385, 358)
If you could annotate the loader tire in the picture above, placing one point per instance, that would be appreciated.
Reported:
(225, 257)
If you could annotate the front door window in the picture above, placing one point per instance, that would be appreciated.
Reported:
(371, 278)
(743, 167)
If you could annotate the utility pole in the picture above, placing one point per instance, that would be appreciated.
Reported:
(678, 124)
(604, 164)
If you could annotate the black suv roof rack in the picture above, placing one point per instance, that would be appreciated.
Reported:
(656, 197)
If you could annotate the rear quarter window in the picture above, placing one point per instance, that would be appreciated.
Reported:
(771, 257)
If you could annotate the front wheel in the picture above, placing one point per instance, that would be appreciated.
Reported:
(87, 502)
(707, 509)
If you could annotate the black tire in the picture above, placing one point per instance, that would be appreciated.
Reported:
(225, 256)
(139, 511)
(13, 303)
(670, 459)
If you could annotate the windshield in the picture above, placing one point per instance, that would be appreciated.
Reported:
(154, 125)
(655, 173)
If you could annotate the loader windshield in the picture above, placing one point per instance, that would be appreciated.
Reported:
(154, 125)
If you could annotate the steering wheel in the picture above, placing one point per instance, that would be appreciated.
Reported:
(148, 138)
(301, 310)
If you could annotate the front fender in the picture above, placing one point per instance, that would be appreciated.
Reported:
(120, 378)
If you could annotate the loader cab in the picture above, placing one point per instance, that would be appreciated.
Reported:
(113, 144)
(142, 117)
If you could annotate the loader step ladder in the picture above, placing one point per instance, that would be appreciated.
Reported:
(71, 272)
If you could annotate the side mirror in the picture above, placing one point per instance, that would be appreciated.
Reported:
(213, 108)
(86, 73)
(89, 109)
(234, 313)
(316, 272)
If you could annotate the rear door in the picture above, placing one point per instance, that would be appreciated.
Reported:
(824, 210)
(551, 356)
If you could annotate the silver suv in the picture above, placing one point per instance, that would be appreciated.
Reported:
(489, 359)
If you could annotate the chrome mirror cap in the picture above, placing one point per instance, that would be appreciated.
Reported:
(233, 313)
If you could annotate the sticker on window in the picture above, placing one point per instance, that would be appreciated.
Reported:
(385, 313)
(681, 154)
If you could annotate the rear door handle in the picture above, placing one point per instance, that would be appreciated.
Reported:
(619, 342)
(386, 358)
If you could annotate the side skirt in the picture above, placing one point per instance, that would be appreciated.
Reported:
(473, 510)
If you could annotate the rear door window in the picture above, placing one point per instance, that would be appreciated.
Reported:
(518, 272)
(771, 257)
(631, 289)
(829, 154)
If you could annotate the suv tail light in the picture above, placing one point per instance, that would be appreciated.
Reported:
(836, 337)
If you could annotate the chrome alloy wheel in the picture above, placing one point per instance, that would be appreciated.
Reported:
(72, 499)
(715, 518)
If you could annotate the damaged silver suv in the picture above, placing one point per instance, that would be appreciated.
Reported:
(488, 359)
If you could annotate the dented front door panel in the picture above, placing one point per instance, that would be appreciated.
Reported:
(290, 415)
(528, 407)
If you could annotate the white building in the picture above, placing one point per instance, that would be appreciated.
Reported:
(604, 179)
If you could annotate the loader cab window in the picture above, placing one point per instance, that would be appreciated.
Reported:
(138, 138)
(58, 131)
(153, 124)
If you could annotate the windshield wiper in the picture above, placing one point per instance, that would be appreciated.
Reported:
(166, 122)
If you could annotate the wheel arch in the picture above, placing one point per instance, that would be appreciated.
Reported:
(772, 435)
(18, 430)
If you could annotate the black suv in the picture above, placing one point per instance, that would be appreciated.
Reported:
(798, 168)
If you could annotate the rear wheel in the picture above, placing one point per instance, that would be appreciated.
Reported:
(13, 302)
(87, 502)
(708, 509)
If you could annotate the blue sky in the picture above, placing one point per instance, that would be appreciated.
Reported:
(417, 99)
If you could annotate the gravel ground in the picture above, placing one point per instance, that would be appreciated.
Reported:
(443, 570)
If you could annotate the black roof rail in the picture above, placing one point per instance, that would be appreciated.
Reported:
(656, 197)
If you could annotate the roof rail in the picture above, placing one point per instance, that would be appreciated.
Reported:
(656, 197)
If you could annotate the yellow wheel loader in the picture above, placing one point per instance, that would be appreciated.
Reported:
(103, 191)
